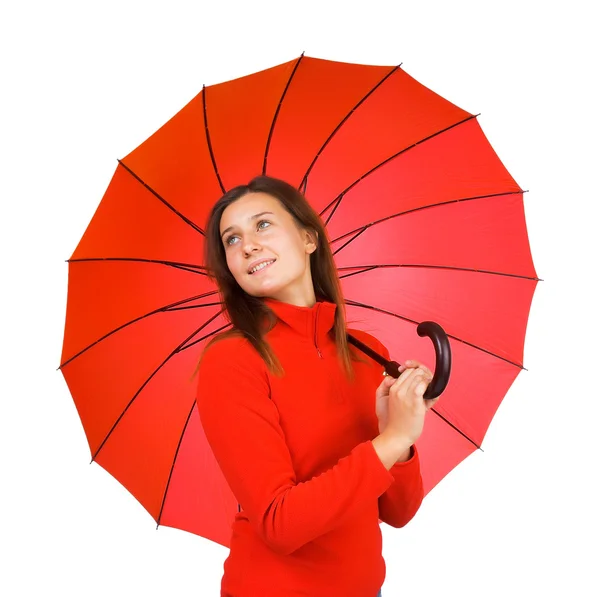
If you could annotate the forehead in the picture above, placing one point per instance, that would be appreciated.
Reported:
(238, 212)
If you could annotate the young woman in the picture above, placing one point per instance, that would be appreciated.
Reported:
(314, 444)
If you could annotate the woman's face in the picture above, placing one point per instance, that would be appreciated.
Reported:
(256, 228)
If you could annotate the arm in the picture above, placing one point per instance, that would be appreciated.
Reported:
(401, 501)
(399, 504)
(242, 427)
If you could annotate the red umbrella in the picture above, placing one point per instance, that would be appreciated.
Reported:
(425, 221)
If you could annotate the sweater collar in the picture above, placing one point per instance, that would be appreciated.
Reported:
(306, 321)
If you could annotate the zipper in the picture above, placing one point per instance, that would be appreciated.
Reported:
(316, 328)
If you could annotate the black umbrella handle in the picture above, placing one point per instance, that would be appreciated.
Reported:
(443, 357)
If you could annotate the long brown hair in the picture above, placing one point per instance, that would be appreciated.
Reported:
(248, 313)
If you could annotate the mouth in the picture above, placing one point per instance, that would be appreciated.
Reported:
(262, 268)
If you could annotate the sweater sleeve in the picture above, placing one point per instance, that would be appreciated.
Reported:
(242, 427)
(401, 501)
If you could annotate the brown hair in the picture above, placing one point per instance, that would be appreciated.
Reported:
(247, 312)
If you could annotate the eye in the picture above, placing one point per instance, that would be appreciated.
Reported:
(260, 223)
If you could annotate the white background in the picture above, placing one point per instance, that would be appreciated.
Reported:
(84, 83)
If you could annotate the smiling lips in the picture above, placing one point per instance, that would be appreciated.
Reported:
(261, 266)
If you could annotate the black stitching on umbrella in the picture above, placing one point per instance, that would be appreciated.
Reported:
(456, 429)
(367, 268)
(337, 128)
(339, 200)
(217, 331)
(162, 503)
(393, 157)
(173, 353)
(186, 267)
(361, 229)
(164, 201)
(264, 169)
(210, 149)
(172, 307)
(407, 319)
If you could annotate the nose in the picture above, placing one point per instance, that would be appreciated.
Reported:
(250, 245)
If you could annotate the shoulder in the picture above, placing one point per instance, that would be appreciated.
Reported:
(231, 359)
(231, 345)
(230, 354)
(370, 340)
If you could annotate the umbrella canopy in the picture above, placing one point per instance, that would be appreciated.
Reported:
(425, 222)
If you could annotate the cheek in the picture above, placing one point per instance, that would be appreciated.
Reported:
(231, 262)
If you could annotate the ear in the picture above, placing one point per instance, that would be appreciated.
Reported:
(311, 240)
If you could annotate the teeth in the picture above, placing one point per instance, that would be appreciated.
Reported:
(260, 266)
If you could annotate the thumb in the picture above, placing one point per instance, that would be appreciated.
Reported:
(385, 385)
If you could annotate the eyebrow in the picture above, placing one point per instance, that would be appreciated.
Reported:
(262, 213)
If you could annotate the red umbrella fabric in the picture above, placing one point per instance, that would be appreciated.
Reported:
(425, 221)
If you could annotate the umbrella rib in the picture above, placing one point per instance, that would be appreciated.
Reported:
(409, 320)
(393, 157)
(186, 267)
(171, 307)
(186, 346)
(339, 126)
(358, 231)
(337, 204)
(164, 201)
(208, 141)
(456, 429)
(264, 169)
(367, 268)
(173, 353)
(164, 499)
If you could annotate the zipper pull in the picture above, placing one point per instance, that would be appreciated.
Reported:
(316, 328)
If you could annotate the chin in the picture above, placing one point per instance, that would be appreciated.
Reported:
(259, 292)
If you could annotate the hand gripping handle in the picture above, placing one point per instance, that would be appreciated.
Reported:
(443, 357)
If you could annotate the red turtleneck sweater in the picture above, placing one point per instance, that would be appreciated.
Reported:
(296, 451)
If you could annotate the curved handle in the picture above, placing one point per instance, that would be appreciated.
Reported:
(443, 357)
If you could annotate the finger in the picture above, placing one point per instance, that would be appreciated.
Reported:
(386, 375)
(419, 389)
(418, 365)
(404, 375)
(419, 383)
(384, 386)
(401, 369)
(403, 382)
(388, 378)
